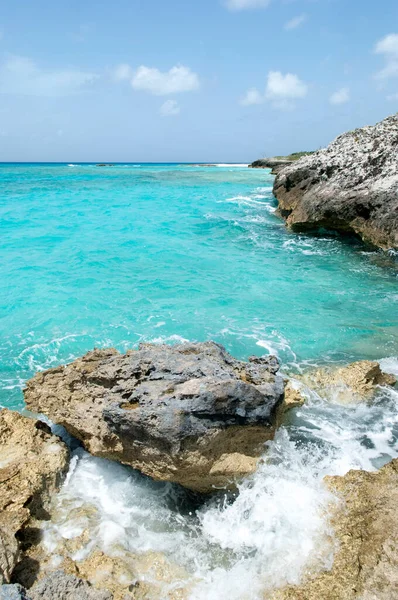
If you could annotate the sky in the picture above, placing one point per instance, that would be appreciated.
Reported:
(186, 80)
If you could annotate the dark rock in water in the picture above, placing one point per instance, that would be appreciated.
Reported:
(105, 165)
(350, 186)
(189, 414)
(13, 592)
(60, 586)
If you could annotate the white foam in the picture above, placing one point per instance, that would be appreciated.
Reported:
(390, 365)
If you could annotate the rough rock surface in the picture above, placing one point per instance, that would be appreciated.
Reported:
(294, 398)
(354, 383)
(61, 586)
(350, 186)
(276, 164)
(32, 463)
(56, 586)
(13, 592)
(365, 565)
(176, 413)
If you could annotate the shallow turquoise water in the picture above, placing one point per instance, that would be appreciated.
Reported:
(113, 256)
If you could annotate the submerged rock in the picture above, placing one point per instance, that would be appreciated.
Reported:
(354, 383)
(366, 527)
(176, 413)
(32, 463)
(350, 186)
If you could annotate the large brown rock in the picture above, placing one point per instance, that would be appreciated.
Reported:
(365, 565)
(32, 464)
(350, 186)
(184, 413)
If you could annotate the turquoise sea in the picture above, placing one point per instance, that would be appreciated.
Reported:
(111, 256)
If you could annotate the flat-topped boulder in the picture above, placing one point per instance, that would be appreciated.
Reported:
(32, 465)
(189, 414)
(351, 186)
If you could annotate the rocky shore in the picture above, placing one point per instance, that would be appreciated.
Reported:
(351, 186)
(275, 164)
(192, 414)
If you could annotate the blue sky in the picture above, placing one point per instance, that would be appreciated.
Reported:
(179, 80)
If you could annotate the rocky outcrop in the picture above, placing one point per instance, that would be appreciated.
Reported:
(176, 413)
(365, 565)
(346, 385)
(32, 464)
(350, 186)
(276, 164)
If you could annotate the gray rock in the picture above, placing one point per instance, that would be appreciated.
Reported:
(174, 412)
(13, 592)
(276, 164)
(60, 586)
(350, 186)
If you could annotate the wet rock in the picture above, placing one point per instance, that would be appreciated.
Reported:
(60, 586)
(350, 186)
(294, 398)
(32, 464)
(365, 565)
(173, 412)
(354, 383)
(127, 576)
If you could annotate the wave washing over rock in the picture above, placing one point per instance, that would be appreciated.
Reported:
(350, 186)
(111, 533)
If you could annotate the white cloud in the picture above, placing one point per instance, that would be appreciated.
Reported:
(123, 72)
(342, 96)
(252, 96)
(170, 108)
(178, 79)
(295, 22)
(246, 4)
(22, 76)
(282, 90)
(388, 47)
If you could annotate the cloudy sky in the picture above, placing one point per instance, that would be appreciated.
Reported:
(185, 80)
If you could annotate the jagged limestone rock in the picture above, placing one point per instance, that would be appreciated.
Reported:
(176, 413)
(350, 186)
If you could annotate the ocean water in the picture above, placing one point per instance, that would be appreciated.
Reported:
(114, 256)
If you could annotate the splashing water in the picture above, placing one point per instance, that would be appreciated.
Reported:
(167, 253)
